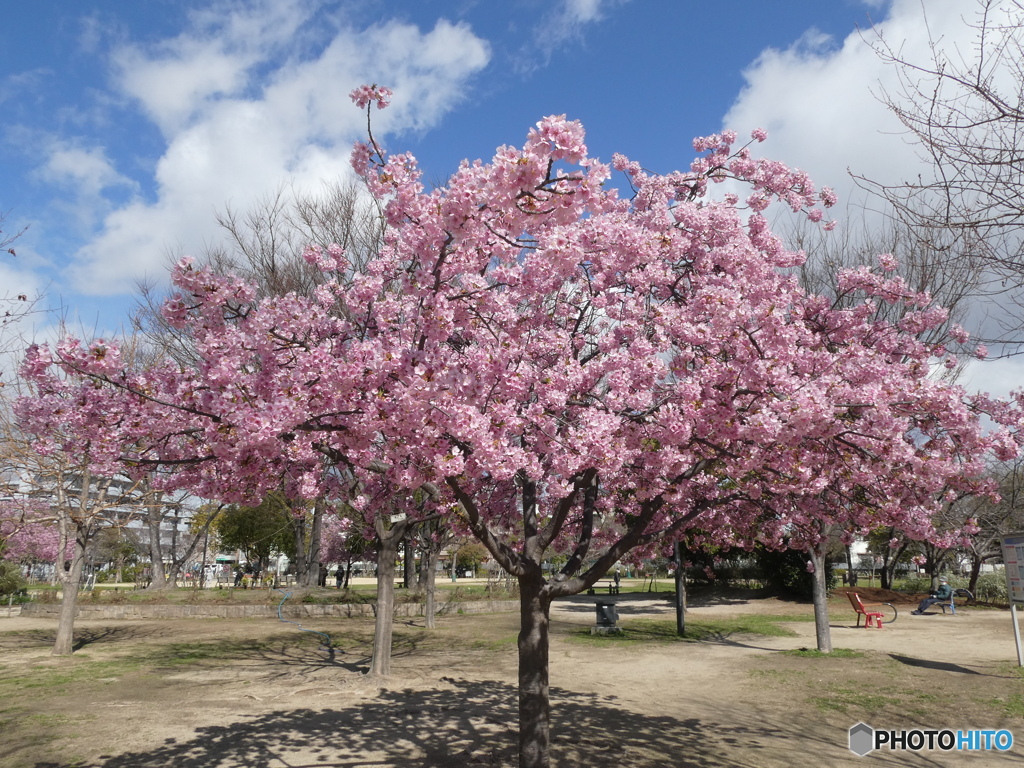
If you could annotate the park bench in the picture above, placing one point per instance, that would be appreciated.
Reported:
(871, 618)
(613, 588)
(964, 594)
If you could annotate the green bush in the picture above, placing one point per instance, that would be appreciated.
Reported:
(916, 585)
(11, 582)
(992, 588)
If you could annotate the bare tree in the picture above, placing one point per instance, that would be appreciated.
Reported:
(431, 539)
(924, 263)
(996, 519)
(964, 110)
(265, 245)
(82, 504)
(169, 513)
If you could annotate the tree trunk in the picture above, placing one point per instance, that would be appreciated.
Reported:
(851, 572)
(426, 557)
(972, 583)
(680, 592)
(64, 644)
(885, 580)
(534, 702)
(301, 566)
(387, 552)
(409, 566)
(429, 572)
(313, 566)
(819, 592)
(172, 573)
(158, 577)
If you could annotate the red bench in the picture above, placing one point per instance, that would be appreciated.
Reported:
(872, 618)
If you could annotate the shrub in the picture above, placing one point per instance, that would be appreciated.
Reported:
(916, 585)
(11, 582)
(991, 588)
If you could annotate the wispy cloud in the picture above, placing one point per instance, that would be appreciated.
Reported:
(566, 21)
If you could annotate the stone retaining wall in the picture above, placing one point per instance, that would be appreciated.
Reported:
(289, 611)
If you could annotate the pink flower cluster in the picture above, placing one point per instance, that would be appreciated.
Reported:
(537, 353)
(365, 94)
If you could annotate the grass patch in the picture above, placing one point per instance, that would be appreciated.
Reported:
(71, 671)
(494, 644)
(814, 653)
(1011, 706)
(870, 698)
(842, 698)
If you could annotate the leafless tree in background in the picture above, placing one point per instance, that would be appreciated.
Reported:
(964, 109)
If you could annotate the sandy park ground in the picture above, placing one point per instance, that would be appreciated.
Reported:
(214, 693)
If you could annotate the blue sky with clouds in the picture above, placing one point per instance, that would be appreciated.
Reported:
(127, 126)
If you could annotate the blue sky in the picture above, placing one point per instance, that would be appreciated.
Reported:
(129, 125)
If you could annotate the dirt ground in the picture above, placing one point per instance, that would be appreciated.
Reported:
(209, 693)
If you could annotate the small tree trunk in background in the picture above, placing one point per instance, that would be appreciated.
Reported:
(819, 593)
(425, 557)
(64, 644)
(972, 583)
(172, 572)
(885, 575)
(158, 577)
(851, 573)
(430, 602)
(409, 571)
(313, 562)
(301, 565)
(680, 592)
(534, 700)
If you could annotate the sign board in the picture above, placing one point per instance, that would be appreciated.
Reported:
(1013, 558)
(398, 518)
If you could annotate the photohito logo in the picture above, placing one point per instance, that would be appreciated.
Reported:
(865, 739)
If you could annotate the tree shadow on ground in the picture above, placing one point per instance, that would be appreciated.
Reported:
(940, 665)
(43, 639)
(466, 723)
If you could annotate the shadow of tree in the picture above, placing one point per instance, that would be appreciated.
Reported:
(462, 724)
(928, 664)
(44, 639)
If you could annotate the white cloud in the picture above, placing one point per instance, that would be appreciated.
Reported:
(818, 98)
(247, 102)
(818, 101)
(213, 59)
(996, 377)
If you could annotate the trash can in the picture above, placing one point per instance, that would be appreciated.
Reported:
(607, 616)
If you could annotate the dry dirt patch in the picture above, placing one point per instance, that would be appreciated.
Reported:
(258, 693)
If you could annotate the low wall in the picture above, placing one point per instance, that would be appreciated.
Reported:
(289, 611)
